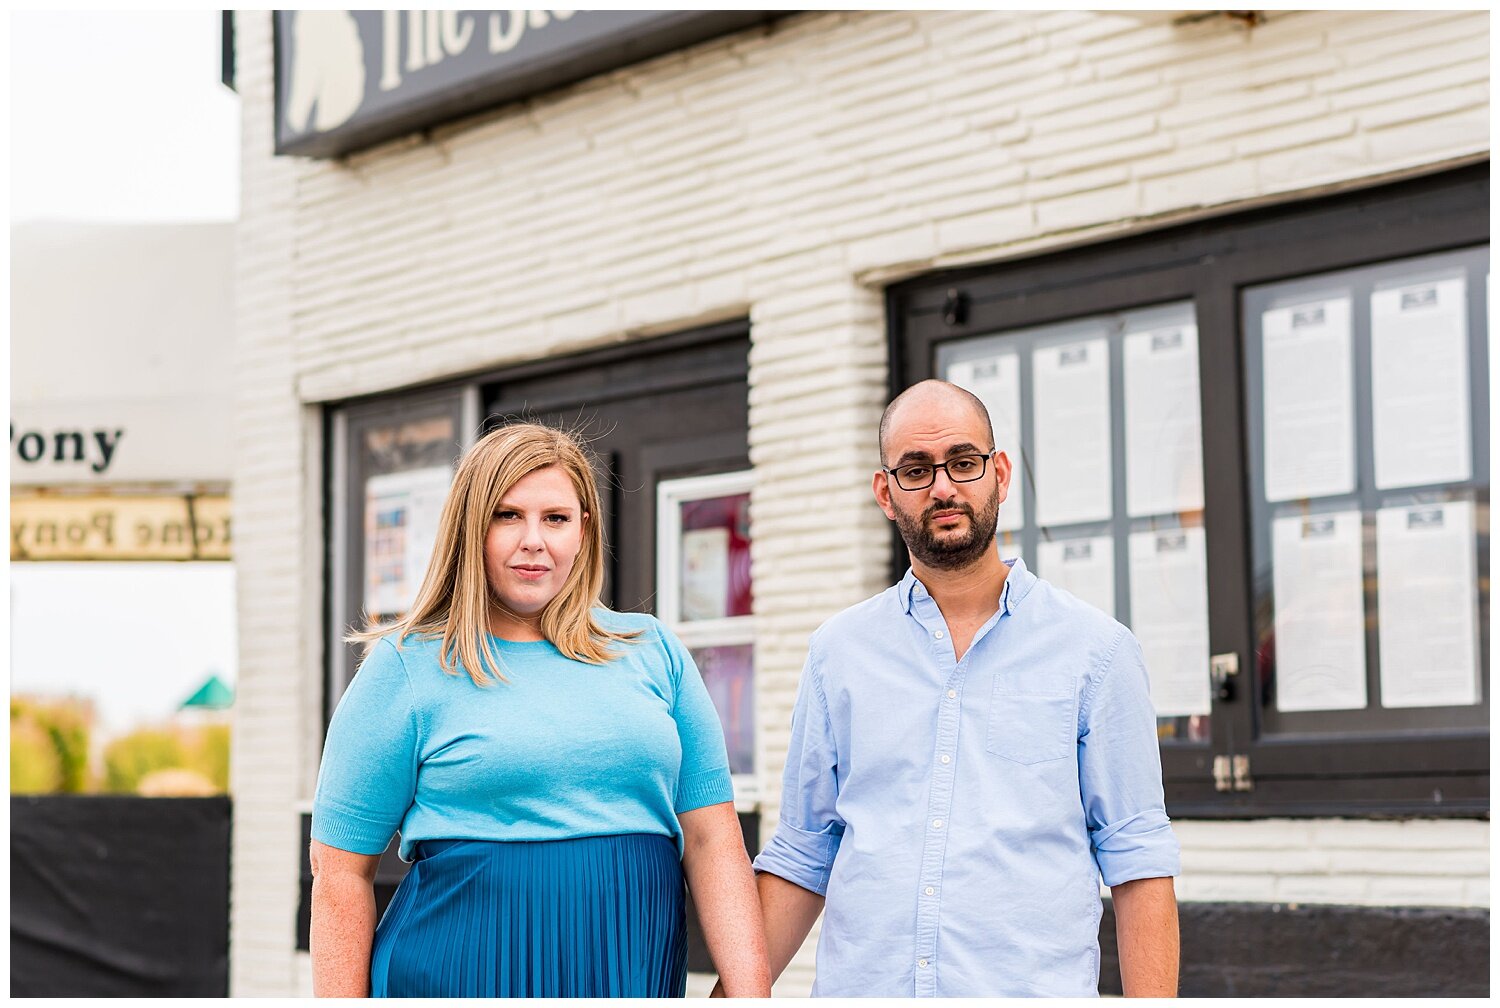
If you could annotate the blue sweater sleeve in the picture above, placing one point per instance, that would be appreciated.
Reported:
(369, 772)
(704, 776)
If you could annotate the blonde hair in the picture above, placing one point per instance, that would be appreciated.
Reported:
(455, 598)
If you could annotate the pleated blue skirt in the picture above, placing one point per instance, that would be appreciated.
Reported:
(591, 917)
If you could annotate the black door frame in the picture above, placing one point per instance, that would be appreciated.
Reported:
(629, 402)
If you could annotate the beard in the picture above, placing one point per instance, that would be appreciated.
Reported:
(950, 552)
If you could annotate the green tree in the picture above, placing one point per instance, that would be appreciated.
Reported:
(68, 726)
(50, 739)
(34, 765)
(130, 757)
(209, 754)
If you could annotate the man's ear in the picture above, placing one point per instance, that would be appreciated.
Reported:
(1002, 474)
(882, 489)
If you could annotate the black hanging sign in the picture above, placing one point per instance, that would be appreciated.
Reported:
(350, 79)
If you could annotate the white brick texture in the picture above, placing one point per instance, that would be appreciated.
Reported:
(782, 174)
(277, 575)
(1422, 862)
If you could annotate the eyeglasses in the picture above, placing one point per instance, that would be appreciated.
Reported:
(920, 475)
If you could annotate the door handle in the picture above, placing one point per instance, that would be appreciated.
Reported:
(1222, 671)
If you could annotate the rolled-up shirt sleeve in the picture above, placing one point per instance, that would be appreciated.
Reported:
(808, 833)
(1120, 771)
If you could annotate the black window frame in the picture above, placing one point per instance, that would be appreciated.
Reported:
(343, 590)
(1211, 262)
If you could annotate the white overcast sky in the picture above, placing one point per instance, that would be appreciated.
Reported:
(118, 116)
(136, 638)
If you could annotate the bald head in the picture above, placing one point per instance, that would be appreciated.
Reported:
(923, 397)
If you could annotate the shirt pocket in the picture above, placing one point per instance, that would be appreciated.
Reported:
(1030, 727)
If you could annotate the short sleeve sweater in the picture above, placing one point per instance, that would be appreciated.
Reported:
(563, 749)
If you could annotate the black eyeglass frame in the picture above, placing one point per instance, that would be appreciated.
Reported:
(984, 461)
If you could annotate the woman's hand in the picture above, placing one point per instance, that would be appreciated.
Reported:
(343, 920)
(723, 887)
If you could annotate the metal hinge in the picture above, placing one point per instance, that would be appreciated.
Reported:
(1221, 773)
(1232, 773)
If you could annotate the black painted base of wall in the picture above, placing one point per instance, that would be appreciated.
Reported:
(1302, 950)
(119, 896)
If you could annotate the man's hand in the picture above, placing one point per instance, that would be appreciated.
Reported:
(1146, 930)
(789, 912)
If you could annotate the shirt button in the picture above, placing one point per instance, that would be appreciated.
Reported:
(922, 963)
(937, 635)
(937, 824)
(929, 890)
(952, 694)
(946, 758)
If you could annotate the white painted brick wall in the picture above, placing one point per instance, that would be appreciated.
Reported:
(279, 576)
(785, 175)
(1425, 862)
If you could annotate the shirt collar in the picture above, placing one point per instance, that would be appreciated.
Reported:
(1018, 584)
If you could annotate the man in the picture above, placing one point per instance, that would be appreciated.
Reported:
(971, 751)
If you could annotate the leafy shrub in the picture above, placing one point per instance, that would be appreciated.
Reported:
(131, 757)
(68, 724)
(34, 764)
(201, 752)
(50, 739)
(50, 753)
(209, 754)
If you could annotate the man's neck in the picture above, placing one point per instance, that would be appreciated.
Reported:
(969, 594)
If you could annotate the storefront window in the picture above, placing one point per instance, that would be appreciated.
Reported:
(728, 672)
(703, 575)
(713, 578)
(392, 466)
(1367, 519)
(401, 518)
(1100, 419)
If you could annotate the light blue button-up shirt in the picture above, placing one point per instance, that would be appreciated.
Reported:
(959, 814)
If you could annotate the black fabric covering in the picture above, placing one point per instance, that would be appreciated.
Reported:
(119, 896)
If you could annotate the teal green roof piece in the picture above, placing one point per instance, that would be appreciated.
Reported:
(212, 695)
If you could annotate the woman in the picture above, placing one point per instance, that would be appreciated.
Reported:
(554, 768)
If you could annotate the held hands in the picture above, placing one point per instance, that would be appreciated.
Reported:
(719, 992)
